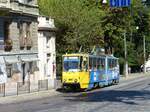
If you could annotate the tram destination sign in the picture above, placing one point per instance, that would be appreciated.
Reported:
(120, 3)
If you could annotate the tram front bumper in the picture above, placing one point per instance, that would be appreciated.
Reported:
(71, 85)
(70, 77)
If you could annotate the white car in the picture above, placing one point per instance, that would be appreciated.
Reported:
(147, 66)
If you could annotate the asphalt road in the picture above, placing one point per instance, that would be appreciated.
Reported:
(128, 96)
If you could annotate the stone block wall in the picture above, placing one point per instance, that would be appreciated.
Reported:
(15, 37)
(34, 34)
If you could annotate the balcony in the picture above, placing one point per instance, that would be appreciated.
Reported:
(8, 45)
(26, 43)
(5, 4)
(24, 7)
(18, 6)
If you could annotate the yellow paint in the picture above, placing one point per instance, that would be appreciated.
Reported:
(76, 55)
(81, 77)
(84, 79)
(70, 77)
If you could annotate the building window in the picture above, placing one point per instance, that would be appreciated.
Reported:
(25, 1)
(9, 70)
(1, 72)
(28, 36)
(7, 40)
(16, 68)
(33, 67)
(21, 36)
(25, 35)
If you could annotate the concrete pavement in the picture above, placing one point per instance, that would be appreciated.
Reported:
(130, 95)
(28, 96)
(49, 93)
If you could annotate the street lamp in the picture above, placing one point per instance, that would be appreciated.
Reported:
(137, 27)
(104, 1)
(144, 68)
(144, 52)
(125, 56)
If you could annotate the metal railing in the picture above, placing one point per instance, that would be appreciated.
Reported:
(2, 89)
(42, 85)
(23, 87)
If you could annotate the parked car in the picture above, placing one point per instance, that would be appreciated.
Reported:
(147, 66)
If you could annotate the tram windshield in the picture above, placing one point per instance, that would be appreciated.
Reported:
(71, 64)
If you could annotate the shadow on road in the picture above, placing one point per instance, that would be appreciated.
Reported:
(61, 90)
(121, 96)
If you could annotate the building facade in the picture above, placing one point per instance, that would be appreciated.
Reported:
(47, 50)
(18, 41)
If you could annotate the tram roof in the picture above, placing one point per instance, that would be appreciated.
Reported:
(76, 54)
(104, 55)
(86, 54)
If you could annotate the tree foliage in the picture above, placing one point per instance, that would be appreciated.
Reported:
(78, 20)
(89, 22)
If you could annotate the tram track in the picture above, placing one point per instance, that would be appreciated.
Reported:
(125, 86)
(95, 100)
(128, 87)
(121, 86)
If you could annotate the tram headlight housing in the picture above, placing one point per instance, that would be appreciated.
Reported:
(64, 80)
(75, 80)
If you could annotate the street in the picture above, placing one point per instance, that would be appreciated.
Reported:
(129, 96)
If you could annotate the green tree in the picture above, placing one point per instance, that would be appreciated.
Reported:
(78, 23)
(88, 22)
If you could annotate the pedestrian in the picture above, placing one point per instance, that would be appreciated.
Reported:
(129, 70)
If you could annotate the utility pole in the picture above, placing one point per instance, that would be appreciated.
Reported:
(125, 56)
(144, 69)
(119, 4)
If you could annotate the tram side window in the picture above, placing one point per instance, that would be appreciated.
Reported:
(94, 63)
(98, 64)
(102, 63)
(109, 63)
(90, 63)
(1, 72)
(81, 62)
(112, 63)
(85, 64)
(115, 63)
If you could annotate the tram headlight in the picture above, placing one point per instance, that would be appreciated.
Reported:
(75, 80)
(64, 80)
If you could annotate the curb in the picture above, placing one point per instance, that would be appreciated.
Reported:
(28, 97)
(134, 76)
(53, 92)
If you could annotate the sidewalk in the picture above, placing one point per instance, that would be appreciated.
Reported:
(28, 97)
(133, 76)
(52, 92)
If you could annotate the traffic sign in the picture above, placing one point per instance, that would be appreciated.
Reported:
(120, 3)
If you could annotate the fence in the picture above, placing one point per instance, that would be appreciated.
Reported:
(42, 85)
(26, 86)
(2, 89)
(23, 87)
